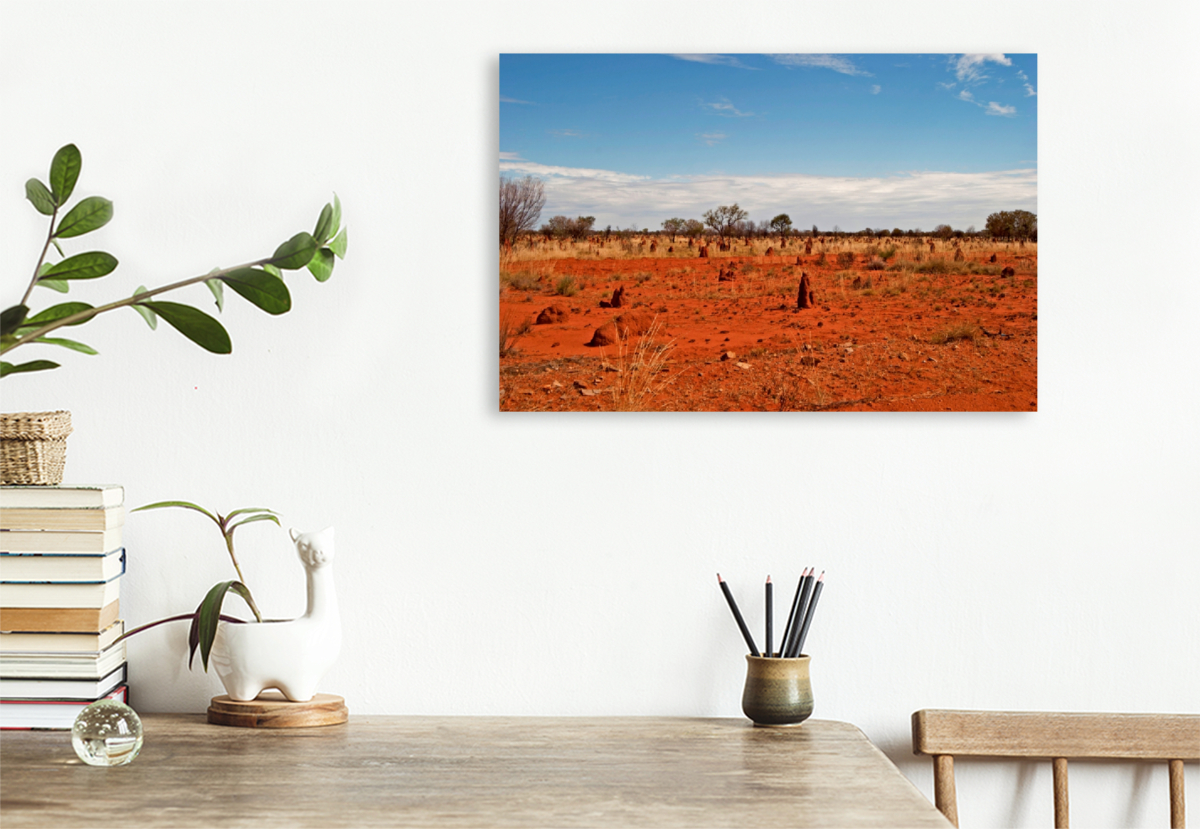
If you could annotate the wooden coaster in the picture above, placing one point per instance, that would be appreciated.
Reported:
(271, 709)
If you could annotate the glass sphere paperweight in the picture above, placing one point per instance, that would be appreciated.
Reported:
(107, 733)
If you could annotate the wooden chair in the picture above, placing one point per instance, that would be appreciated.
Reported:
(945, 735)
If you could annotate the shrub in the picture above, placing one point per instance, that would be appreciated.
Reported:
(959, 331)
(887, 253)
(845, 259)
(566, 286)
(876, 264)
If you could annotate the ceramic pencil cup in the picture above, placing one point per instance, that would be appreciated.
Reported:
(778, 691)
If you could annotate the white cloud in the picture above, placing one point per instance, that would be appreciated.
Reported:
(875, 89)
(966, 95)
(994, 108)
(835, 62)
(947, 84)
(723, 107)
(509, 156)
(1029, 91)
(567, 133)
(907, 199)
(504, 99)
(711, 139)
(969, 68)
(720, 60)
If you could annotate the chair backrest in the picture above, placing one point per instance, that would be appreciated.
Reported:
(1058, 737)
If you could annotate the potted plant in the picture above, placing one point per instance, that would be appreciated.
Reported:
(249, 657)
(33, 444)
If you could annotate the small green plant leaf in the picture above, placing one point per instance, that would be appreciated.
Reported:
(91, 213)
(218, 291)
(56, 312)
(89, 265)
(325, 227)
(271, 269)
(337, 214)
(60, 285)
(338, 245)
(245, 510)
(194, 324)
(182, 504)
(208, 615)
(64, 172)
(11, 319)
(251, 520)
(149, 316)
(35, 365)
(39, 195)
(65, 343)
(295, 253)
(321, 264)
(266, 291)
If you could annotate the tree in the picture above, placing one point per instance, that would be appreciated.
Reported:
(521, 202)
(943, 231)
(725, 219)
(782, 224)
(693, 229)
(581, 228)
(674, 226)
(1012, 224)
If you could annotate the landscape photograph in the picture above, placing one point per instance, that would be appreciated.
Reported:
(796, 232)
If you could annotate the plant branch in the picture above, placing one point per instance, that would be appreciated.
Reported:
(178, 618)
(133, 300)
(37, 269)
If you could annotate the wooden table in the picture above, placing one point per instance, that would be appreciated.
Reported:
(466, 771)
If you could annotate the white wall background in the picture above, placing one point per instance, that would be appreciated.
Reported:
(557, 565)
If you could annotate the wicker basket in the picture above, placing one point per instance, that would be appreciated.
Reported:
(33, 447)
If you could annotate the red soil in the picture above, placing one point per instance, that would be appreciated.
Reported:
(859, 348)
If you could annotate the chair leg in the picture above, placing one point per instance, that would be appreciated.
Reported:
(943, 787)
(1178, 821)
(1062, 809)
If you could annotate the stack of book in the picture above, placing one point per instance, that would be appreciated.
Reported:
(61, 562)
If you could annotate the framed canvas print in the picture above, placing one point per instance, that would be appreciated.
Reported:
(793, 232)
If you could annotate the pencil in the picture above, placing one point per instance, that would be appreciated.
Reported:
(808, 616)
(791, 622)
(805, 587)
(770, 613)
(737, 615)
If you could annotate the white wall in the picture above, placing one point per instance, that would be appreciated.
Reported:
(565, 565)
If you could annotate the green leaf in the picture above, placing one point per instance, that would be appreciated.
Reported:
(149, 316)
(56, 312)
(208, 615)
(83, 266)
(295, 253)
(65, 343)
(338, 245)
(58, 248)
(218, 292)
(36, 365)
(183, 504)
(39, 195)
(337, 214)
(64, 172)
(324, 228)
(261, 288)
(60, 285)
(194, 324)
(251, 520)
(322, 264)
(11, 319)
(245, 510)
(271, 269)
(91, 213)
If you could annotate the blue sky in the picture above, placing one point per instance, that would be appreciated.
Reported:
(907, 140)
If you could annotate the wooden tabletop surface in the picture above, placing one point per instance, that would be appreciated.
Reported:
(466, 771)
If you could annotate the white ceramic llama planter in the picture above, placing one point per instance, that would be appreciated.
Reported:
(291, 655)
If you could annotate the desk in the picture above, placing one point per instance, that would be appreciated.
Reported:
(466, 771)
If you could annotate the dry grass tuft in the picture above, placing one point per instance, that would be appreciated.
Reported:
(638, 373)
